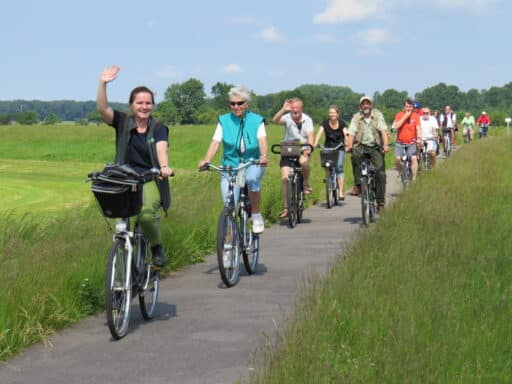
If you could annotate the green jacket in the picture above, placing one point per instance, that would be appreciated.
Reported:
(367, 133)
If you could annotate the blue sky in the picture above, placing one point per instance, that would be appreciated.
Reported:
(55, 50)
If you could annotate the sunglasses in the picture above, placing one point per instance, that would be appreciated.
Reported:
(239, 103)
(426, 113)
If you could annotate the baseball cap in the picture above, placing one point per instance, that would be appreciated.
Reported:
(365, 98)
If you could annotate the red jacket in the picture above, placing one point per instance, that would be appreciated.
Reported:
(483, 120)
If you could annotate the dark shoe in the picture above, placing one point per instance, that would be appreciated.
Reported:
(341, 198)
(356, 191)
(158, 256)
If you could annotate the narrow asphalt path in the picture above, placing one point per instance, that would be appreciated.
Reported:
(203, 332)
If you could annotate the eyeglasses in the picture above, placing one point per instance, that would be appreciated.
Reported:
(239, 103)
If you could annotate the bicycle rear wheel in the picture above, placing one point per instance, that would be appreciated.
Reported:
(117, 290)
(365, 201)
(292, 201)
(251, 244)
(227, 249)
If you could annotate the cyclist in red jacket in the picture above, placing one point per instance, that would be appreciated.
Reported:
(484, 121)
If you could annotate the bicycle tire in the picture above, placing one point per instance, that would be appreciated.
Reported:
(301, 196)
(329, 189)
(365, 201)
(148, 292)
(292, 201)
(227, 240)
(250, 246)
(404, 177)
(117, 296)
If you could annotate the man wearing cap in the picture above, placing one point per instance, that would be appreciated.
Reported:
(367, 135)
(484, 121)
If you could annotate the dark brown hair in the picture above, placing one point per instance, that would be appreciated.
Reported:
(141, 89)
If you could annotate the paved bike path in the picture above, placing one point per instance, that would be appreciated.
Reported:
(203, 332)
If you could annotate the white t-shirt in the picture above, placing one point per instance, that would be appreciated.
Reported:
(291, 129)
(217, 135)
(428, 127)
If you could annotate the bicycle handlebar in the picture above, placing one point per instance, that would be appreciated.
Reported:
(144, 177)
(278, 152)
(230, 169)
(336, 148)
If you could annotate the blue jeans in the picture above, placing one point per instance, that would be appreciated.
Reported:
(253, 175)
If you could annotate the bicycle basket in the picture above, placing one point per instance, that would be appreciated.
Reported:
(118, 192)
(290, 149)
(330, 156)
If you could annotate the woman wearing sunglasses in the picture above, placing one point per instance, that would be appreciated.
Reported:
(243, 137)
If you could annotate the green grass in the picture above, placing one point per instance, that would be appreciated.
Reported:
(424, 296)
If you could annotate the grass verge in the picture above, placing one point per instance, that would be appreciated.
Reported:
(423, 297)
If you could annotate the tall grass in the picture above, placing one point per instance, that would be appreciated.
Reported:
(424, 296)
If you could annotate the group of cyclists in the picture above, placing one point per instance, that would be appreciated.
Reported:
(142, 142)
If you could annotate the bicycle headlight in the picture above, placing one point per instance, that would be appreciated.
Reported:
(121, 226)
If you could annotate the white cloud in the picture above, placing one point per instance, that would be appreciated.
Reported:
(232, 68)
(271, 35)
(341, 11)
(375, 36)
(167, 72)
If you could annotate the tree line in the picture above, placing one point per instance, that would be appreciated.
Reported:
(187, 103)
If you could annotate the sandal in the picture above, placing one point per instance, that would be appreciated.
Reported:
(284, 213)
(308, 189)
(341, 198)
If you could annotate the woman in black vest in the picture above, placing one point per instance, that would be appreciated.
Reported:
(142, 143)
(335, 130)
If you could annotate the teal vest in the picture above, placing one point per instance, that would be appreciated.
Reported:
(234, 130)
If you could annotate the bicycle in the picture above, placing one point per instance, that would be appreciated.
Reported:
(405, 168)
(447, 143)
(118, 190)
(484, 128)
(467, 135)
(295, 197)
(368, 190)
(234, 233)
(328, 160)
(425, 159)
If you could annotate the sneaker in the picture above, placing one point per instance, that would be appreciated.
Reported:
(158, 256)
(258, 225)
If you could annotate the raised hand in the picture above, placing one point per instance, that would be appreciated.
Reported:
(109, 73)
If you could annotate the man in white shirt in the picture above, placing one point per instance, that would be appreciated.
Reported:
(297, 127)
(428, 129)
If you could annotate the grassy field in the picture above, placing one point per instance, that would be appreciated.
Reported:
(423, 297)
(54, 240)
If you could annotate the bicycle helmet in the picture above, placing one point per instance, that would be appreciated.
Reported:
(416, 104)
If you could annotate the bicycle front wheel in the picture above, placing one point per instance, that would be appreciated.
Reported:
(300, 197)
(227, 249)
(118, 290)
(148, 293)
(365, 202)
(329, 189)
(292, 201)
